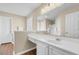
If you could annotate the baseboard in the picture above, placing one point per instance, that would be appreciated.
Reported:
(26, 51)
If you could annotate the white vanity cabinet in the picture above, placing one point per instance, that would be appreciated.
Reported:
(45, 47)
(57, 51)
(42, 48)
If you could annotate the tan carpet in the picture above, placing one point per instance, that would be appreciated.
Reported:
(6, 48)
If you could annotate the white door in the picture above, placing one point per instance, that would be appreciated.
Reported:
(5, 35)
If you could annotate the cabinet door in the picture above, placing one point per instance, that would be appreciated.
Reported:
(52, 51)
(57, 51)
(42, 49)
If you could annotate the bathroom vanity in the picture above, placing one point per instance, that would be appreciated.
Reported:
(62, 39)
(54, 45)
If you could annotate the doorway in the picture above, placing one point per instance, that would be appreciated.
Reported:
(5, 29)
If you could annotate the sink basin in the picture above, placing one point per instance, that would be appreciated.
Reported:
(55, 41)
(62, 41)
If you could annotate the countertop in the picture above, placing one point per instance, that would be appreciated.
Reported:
(66, 43)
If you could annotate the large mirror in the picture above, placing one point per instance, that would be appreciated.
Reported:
(72, 24)
(66, 25)
(44, 23)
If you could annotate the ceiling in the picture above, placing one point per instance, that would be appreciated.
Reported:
(22, 9)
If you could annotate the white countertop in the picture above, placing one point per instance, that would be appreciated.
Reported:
(69, 44)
